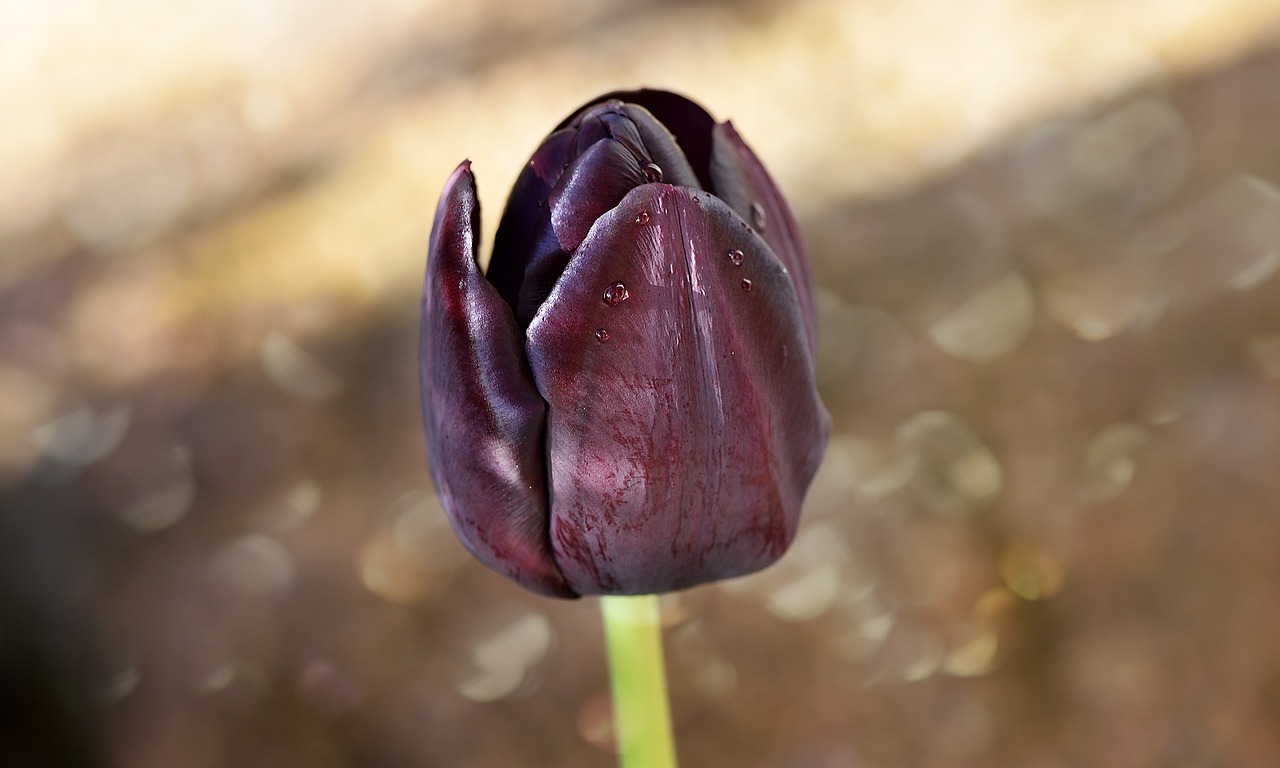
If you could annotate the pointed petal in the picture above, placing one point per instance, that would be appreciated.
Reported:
(641, 133)
(483, 417)
(576, 175)
(660, 147)
(526, 214)
(680, 447)
(592, 184)
(595, 182)
(740, 180)
(686, 120)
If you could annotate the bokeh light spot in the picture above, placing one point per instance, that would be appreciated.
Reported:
(956, 474)
(990, 324)
(1110, 460)
(255, 564)
(1031, 572)
(504, 658)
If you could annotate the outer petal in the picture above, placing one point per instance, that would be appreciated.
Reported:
(483, 417)
(740, 180)
(681, 446)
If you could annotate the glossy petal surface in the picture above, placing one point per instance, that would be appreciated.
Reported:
(525, 217)
(744, 185)
(578, 174)
(484, 419)
(689, 124)
(625, 402)
(680, 447)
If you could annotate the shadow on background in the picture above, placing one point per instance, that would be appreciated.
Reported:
(1044, 535)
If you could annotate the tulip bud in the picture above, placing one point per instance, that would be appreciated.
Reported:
(624, 403)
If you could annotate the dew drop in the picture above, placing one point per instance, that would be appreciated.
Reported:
(653, 173)
(736, 257)
(615, 294)
(602, 335)
(746, 285)
(642, 218)
(758, 217)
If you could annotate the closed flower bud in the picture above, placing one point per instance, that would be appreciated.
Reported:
(624, 402)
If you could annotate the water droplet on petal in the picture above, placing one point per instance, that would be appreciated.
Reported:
(758, 217)
(602, 335)
(653, 173)
(642, 218)
(746, 285)
(736, 256)
(615, 294)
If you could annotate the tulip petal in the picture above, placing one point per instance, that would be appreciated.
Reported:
(641, 133)
(687, 122)
(525, 217)
(683, 424)
(484, 419)
(741, 181)
(612, 148)
(592, 184)
(661, 148)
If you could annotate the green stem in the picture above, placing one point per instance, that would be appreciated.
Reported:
(641, 715)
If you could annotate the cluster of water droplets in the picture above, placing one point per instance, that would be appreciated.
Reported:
(736, 258)
(614, 295)
(617, 292)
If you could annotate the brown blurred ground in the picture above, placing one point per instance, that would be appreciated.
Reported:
(1046, 244)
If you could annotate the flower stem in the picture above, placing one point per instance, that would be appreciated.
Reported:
(641, 714)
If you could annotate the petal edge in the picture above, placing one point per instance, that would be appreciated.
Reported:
(483, 418)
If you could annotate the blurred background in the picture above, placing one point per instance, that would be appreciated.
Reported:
(1045, 236)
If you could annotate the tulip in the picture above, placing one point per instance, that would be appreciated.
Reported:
(624, 402)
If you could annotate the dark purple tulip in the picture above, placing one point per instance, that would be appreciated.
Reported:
(624, 402)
